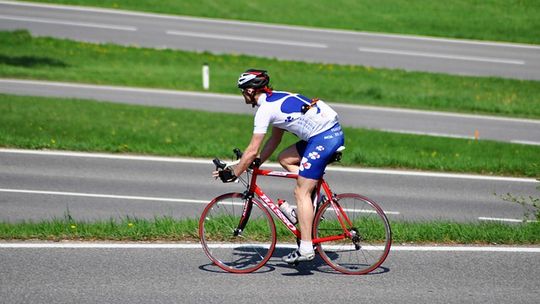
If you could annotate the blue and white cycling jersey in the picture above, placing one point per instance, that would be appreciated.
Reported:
(283, 110)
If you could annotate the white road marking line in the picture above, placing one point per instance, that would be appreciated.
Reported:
(434, 113)
(83, 24)
(452, 40)
(368, 211)
(97, 195)
(467, 249)
(498, 219)
(441, 56)
(83, 245)
(428, 133)
(435, 175)
(109, 156)
(141, 198)
(525, 142)
(521, 142)
(121, 89)
(246, 39)
(274, 26)
(269, 165)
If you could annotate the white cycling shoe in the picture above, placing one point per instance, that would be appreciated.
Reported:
(295, 257)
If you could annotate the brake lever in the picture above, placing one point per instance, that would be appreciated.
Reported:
(219, 164)
(238, 153)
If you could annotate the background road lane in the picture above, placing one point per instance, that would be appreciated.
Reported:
(414, 197)
(390, 119)
(343, 47)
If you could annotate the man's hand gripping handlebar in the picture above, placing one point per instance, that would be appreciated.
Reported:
(224, 171)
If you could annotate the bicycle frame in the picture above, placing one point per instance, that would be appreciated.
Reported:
(269, 203)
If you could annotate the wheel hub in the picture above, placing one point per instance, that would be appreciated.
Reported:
(355, 238)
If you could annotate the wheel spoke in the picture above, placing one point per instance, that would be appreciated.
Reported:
(370, 231)
(249, 250)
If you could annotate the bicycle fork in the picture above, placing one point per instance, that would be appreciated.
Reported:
(246, 213)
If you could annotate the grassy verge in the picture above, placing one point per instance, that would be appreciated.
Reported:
(67, 124)
(23, 56)
(169, 229)
(515, 20)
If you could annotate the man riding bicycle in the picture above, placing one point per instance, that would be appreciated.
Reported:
(313, 121)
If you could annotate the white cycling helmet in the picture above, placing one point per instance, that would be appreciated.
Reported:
(253, 78)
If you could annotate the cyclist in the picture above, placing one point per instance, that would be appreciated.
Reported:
(317, 126)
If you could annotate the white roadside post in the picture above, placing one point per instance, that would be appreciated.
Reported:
(206, 76)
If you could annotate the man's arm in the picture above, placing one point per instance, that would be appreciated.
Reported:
(271, 144)
(249, 154)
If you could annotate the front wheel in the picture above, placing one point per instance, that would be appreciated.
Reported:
(364, 244)
(238, 234)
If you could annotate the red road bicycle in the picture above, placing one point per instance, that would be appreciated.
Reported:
(350, 232)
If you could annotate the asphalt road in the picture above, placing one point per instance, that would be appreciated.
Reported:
(49, 275)
(524, 131)
(35, 186)
(463, 57)
(42, 185)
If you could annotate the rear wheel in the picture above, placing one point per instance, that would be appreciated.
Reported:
(368, 242)
(229, 245)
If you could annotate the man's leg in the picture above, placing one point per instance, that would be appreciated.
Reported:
(315, 155)
(305, 214)
(289, 158)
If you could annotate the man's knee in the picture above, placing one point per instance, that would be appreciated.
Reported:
(286, 159)
(282, 158)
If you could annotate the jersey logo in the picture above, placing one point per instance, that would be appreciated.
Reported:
(314, 155)
(304, 164)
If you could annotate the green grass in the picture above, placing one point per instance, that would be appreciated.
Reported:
(503, 20)
(470, 233)
(169, 229)
(67, 124)
(23, 56)
(160, 228)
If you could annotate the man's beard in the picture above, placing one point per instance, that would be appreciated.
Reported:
(250, 98)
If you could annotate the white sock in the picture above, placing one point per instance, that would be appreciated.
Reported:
(306, 247)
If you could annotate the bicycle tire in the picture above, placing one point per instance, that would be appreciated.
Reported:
(353, 255)
(237, 253)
